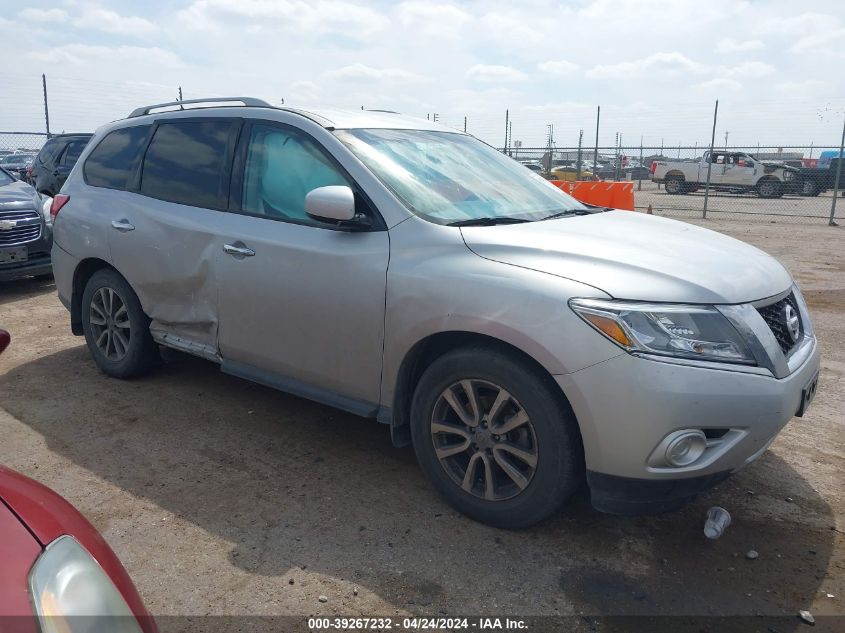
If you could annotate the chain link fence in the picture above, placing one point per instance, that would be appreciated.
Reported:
(776, 183)
(18, 151)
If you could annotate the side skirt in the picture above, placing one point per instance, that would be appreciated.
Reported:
(298, 388)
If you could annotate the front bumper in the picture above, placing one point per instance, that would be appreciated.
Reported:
(626, 405)
(38, 262)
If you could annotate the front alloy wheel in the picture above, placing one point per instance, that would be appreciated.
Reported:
(484, 439)
(494, 434)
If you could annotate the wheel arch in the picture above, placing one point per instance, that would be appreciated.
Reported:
(81, 274)
(425, 351)
(675, 174)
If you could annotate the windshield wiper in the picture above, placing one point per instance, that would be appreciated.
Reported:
(588, 210)
(491, 221)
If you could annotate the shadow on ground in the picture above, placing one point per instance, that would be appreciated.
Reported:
(290, 483)
(24, 288)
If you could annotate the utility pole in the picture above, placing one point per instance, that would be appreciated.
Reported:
(726, 140)
(640, 170)
(46, 110)
(180, 93)
(596, 148)
(710, 160)
(578, 166)
(465, 124)
(510, 136)
(550, 142)
(832, 222)
(507, 122)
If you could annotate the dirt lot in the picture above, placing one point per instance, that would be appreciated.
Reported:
(224, 497)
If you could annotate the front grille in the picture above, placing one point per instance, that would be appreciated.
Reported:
(20, 234)
(773, 315)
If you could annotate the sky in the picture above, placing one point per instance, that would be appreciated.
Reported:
(655, 67)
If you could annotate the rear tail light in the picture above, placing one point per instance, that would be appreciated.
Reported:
(59, 201)
(653, 166)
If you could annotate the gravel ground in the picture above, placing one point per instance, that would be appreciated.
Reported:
(223, 497)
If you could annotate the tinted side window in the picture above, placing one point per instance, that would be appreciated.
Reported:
(188, 162)
(113, 161)
(71, 155)
(281, 168)
(49, 151)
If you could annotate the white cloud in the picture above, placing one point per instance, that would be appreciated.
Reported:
(109, 21)
(749, 70)
(93, 56)
(719, 85)
(829, 42)
(802, 24)
(44, 15)
(730, 45)
(495, 73)
(659, 64)
(435, 20)
(361, 72)
(560, 67)
(317, 17)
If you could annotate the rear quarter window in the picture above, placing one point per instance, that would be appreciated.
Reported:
(188, 162)
(114, 160)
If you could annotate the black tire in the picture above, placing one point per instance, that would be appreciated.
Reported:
(554, 433)
(141, 353)
(770, 188)
(675, 186)
(810, 188)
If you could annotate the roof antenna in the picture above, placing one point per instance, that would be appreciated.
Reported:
(180, 98)
(283, 101)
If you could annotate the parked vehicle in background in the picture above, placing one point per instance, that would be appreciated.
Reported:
(729, 171)
(570, 174)
(821, 179)
(17, 164)
(533, 165)
(26, 234)
(404, 271)
(55, 160)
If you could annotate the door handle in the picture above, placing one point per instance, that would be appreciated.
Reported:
(238, 250)
(122, 225)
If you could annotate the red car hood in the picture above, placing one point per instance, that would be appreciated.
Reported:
(47, 516)
(18, 550)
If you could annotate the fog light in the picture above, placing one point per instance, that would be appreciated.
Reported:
(685, 448)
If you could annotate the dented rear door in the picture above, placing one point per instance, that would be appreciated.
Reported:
(164, 239)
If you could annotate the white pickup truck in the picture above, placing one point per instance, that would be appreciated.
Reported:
(729, 171)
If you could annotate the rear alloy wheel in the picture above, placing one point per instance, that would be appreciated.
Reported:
(496, 437)
(116, 328)
(770, 189)
(675, 186)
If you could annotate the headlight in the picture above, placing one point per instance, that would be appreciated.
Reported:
(46, 202)
(685, 331)
(72, 593)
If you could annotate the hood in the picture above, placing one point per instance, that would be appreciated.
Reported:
(18, 195)
(637, 257)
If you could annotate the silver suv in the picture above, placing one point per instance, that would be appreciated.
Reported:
(407, 272)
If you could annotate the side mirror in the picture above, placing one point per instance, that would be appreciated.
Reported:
(333, 203)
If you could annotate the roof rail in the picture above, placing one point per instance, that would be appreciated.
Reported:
(247, 101)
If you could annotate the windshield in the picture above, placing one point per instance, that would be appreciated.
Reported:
(446, 177)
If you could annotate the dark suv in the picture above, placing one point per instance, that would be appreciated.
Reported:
(55, 160)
